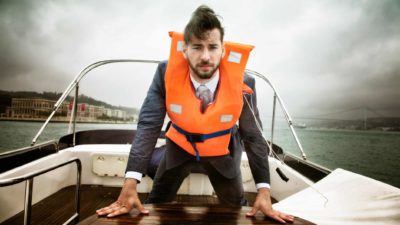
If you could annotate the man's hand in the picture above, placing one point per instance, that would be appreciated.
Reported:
(263, 203)
(128, 199)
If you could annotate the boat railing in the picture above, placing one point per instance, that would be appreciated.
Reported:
(18, 157)
(75, 85)
(29, 187)
(286, 114)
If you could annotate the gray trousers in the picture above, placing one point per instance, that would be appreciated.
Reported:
(167, 181)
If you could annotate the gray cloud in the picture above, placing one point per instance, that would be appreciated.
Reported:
(353, 60)
(322, 56)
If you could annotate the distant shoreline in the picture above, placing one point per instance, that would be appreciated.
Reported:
(394, 129)
(56, 120)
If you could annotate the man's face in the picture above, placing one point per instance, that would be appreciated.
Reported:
(205, 55)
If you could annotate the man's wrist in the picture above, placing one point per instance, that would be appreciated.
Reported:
(135, 175)
(263, 185)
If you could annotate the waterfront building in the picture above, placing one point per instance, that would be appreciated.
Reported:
(33, 108)
(86, 112)
(40, 109)
(119, 114)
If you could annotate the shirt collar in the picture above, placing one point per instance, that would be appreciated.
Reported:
(211, 84)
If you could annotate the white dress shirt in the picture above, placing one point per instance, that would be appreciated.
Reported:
(211, 84)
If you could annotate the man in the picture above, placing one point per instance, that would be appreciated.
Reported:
(201, 89)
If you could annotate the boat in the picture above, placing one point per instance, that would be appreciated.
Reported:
(300, 125)
(64, 181)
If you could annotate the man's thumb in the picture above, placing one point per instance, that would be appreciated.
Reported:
(252, 212)
(141, 209)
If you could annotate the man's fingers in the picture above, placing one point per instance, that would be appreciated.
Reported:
(140, 208)
(104, 211)
(287, 217)
(280, 217)
(115, 209)
(100, 212)
(118, 208)
(252, 212)
(109, 208)
(119, 211)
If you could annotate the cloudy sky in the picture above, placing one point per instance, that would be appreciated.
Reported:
(322, 56)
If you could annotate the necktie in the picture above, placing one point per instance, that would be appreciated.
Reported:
(205, 96)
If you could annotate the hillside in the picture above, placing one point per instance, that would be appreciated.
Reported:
(6, 96)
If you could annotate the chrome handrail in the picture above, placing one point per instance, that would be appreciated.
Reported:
(28, 148)
(75, 84)
(81, 74)
(29, 186)
(288, 118)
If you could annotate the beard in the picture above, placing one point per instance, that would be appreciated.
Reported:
(201, 74)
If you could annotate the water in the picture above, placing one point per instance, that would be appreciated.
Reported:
(371, 153)
(15, 135)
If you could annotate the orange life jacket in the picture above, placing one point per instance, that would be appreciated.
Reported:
(208, 133)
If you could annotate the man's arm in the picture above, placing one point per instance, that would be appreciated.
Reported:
(151, 119)
(255, 145)
(257, 152)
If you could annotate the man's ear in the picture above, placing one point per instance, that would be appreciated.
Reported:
(223, 51)
(184, 50)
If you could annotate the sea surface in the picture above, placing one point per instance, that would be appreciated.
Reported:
(375, 154)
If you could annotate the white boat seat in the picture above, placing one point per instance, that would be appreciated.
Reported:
(351, 199)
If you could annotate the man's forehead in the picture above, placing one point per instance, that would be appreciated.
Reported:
(211, 36)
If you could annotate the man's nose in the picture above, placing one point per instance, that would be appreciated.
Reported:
(205, 56)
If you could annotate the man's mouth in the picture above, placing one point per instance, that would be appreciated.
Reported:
(205, 66)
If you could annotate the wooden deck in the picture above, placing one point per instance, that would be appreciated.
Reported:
(186, 209)
(59, 207)
(176, 213)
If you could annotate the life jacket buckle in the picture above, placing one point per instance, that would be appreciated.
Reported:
(193, 137)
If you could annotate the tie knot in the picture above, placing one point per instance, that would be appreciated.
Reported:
(203, 90)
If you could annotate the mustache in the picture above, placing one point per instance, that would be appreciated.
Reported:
(205, 63)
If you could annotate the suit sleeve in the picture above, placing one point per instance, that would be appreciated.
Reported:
(151, 120)
(254, 143)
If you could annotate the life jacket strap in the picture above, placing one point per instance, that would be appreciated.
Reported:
(194, 137)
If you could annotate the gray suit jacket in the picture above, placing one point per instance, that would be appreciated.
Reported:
(246, 137)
